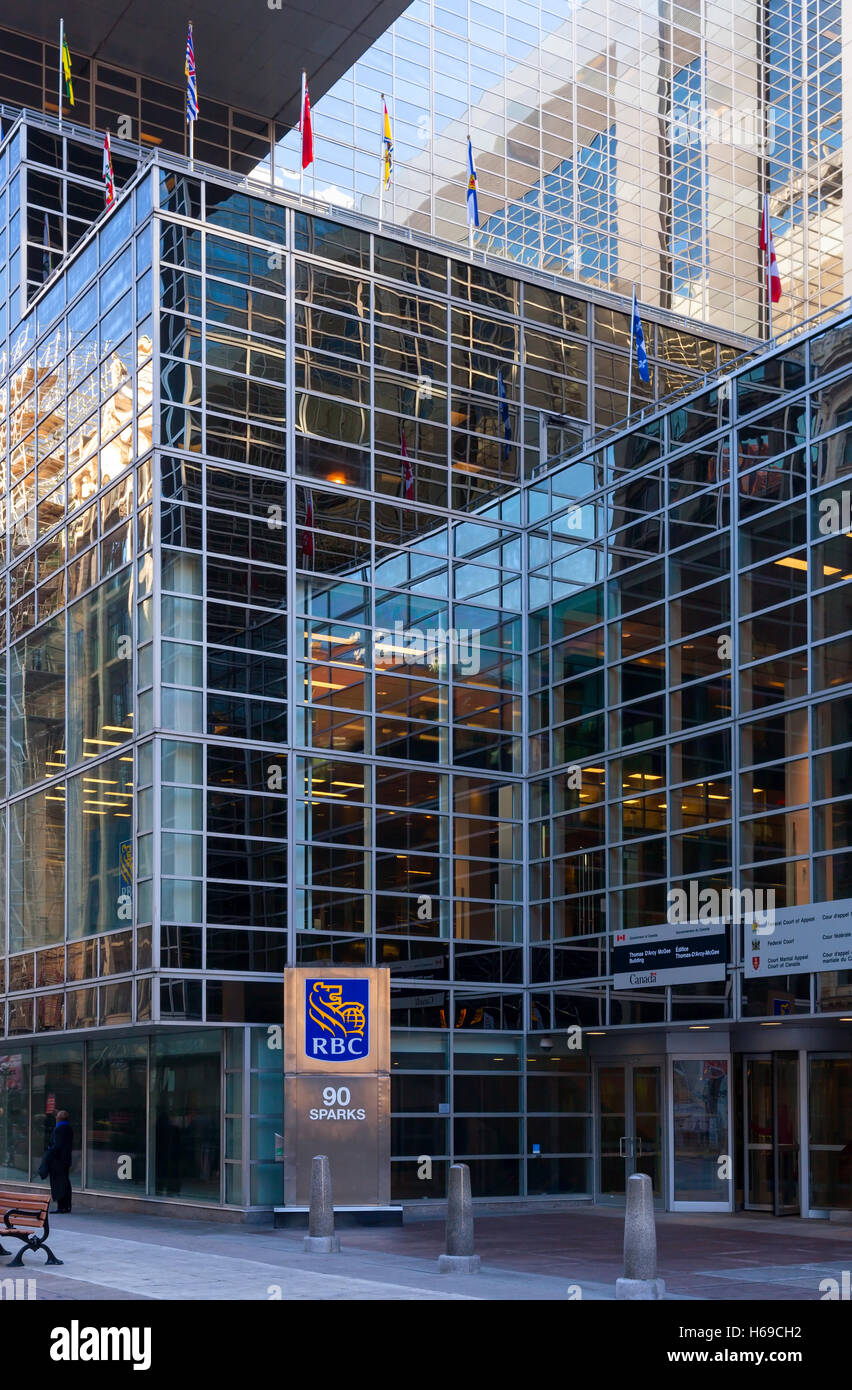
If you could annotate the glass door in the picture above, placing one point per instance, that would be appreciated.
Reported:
(785, 1079)
(830, 1126)
(758, 1133)
(771, 1105)
(647, 1124)
(700, 1152)
(629, 1099)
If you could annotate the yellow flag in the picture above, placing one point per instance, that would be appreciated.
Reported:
(66, 69)
(387, 147)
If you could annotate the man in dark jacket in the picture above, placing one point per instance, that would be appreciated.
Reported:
(56, 1163)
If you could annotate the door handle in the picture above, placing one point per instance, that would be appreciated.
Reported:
(625, 1146)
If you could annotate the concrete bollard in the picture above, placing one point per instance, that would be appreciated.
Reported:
(640, 1244)
(321, 1239)
(459, 1258)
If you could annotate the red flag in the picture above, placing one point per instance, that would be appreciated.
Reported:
(109, 179)
(767, 245)
(407, 470)
(305, 125)
(307, 534)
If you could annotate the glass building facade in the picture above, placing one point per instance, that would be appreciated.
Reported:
(319, 577)
(689, 663)
(615, 144)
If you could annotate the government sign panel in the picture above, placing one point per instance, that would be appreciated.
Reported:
(816, 937)
(650, 957)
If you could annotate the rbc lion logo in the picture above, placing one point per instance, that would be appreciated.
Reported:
(337, 1019)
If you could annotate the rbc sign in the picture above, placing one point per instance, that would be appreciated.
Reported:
(337, 1019)
(337, 1081)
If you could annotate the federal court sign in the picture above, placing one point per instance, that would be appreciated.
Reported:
(337, 1082)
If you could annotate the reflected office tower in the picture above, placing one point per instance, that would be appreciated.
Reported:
(616, 144)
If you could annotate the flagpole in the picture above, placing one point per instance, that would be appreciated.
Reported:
(393, 184)
(768, 256)
(302, 134)
(191, 123)
(313, 156)
(769, 291)
(470, 166)
(766, 244)
(630, 358)
(61, 51)
(382, 157)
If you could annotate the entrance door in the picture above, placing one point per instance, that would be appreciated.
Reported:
(701, 1123)
(630, 1101)
(771, 1127)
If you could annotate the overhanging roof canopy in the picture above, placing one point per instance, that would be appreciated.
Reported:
(247, 56)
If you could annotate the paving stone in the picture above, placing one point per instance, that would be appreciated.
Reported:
(524, 1257)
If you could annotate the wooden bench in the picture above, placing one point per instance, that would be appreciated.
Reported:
(23, 1215)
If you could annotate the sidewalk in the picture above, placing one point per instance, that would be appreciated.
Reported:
(108, 1256)
(535, 1257)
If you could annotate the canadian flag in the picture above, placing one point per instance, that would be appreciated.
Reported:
(307, 533)
(109, 178)
(767, 246)
(407, 470)
(305, 125)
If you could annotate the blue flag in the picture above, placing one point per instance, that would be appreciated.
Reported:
(504, 413)
(638, 337)
(472, 203)
(191, 88)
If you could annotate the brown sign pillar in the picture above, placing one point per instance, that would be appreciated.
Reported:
(337, 1082)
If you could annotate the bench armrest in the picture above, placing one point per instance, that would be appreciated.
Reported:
(23, 1211)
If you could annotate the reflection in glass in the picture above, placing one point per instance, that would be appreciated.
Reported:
(830, 1094)
(57, 1084)
(115, 1115)
(185, 1115)
(14, 1115)
(100, 861)
(37, 870)
(37, 723)
(100, 657)
(700, 1126)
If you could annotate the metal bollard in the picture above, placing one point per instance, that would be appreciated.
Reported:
(321, 1239)
(640, 1244)
(459, 1258)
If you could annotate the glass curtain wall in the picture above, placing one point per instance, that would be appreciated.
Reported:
(614, 144)
(707, 526)
(146, 1113)
(279, 668)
